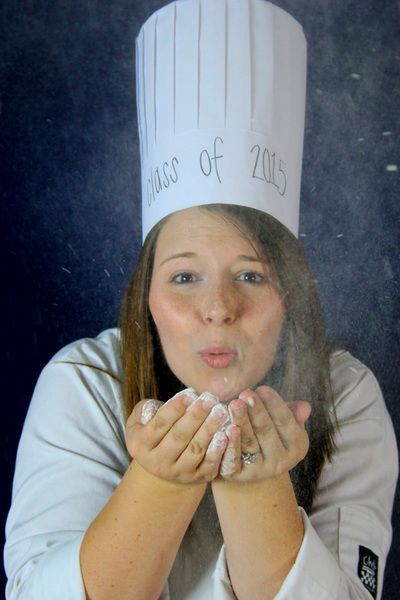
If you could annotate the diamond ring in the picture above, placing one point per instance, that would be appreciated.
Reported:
(249, 457)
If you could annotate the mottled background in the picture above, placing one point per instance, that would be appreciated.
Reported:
(70, 184)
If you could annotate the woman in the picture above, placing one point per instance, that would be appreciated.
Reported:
(199, 499)
(230, 309)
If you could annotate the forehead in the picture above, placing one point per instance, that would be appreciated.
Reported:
(200, 226)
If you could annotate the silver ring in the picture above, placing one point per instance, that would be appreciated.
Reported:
(249, 457)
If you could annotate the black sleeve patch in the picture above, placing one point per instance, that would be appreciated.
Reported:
(368, 569)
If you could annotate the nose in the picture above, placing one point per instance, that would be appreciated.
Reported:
(221, 305)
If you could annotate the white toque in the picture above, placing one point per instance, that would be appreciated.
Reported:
(221, 104)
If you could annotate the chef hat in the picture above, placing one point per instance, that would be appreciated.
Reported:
(221, 104)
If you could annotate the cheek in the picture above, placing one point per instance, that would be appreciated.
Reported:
(270, 324)
(169, 314)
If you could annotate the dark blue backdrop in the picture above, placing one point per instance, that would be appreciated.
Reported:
(71, 195)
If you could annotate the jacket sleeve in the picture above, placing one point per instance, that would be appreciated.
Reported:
(70, 458)
(348, 535)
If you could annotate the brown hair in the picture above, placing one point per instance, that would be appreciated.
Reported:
(301, 365)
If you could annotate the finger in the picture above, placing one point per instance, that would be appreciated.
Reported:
(231, 462)
(289, 430)
(137, 413)
(151, 419)
(181, 433)
(189, 393)
(196, 449)
(263, 425)
(165, 418)
(217, 444)
(240, 417)
(138, 433)
(301, 411)
(209, 467)
(149, 409)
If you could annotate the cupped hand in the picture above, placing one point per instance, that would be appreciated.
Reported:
(271, 433)
(179, 441)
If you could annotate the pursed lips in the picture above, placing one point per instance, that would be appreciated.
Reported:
(218, 357)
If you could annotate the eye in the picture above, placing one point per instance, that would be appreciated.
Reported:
(181, 278)
(251, 277)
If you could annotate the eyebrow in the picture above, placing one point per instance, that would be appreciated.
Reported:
(241, 257)
(179, 255)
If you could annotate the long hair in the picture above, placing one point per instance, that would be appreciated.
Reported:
(300, 370)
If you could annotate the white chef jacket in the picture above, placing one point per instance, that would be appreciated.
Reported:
(72, 455)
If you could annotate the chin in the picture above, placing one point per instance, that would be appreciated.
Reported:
(221, 390)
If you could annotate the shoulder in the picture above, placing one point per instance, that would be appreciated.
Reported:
(101, 352)
(82, 381)
(356, 391)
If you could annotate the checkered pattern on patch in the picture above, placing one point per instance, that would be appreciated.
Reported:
(368, 579)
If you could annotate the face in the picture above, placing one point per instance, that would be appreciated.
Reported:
(217, 313)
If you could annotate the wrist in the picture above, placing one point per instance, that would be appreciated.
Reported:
(164, 485)
(274, 486)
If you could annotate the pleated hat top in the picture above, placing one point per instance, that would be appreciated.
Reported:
(221, 104)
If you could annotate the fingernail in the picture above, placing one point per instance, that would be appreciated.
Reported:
(219, 413)
(149, 409)
(189, 396)
(217, 442)
(249, 400)
(208, 400)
